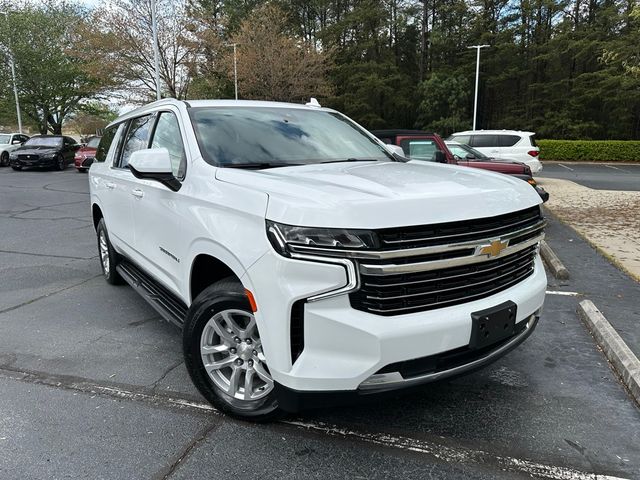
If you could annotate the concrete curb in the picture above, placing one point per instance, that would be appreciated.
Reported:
(619, 354)
(553, 262)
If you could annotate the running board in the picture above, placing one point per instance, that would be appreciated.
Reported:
(162, 300)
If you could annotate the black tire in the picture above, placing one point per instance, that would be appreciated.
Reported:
(4, 159)
(16, 168)
(61, 163)
(81, 170)
(112, 258)
(227, 294)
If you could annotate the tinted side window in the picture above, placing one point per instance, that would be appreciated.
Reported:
(420, 149)
(137, 138)
(483, 141)
(105, 143)
(461, 139)
(507, 140)
(532, 138)
(167, 134)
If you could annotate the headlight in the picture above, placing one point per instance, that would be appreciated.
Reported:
(282, 236)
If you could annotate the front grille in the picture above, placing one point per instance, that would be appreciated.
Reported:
(88, 161)
(414, 283)
(30, 157)
(457, 232)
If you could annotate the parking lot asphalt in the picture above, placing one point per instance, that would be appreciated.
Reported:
(92, 383)
(601, 176)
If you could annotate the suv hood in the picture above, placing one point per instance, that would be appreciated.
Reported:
(382, 194)
(29, 150)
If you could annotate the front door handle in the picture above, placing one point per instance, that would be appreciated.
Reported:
(111, 185)
(137, 193)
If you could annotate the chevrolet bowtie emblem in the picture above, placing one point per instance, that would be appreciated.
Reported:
(494, 249)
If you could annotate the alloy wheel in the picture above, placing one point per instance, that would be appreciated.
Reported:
(104, 252)
(232, 355)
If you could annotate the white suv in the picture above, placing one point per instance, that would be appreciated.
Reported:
(511, 145)
(304, 262)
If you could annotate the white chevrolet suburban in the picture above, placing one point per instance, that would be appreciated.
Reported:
(304, 262)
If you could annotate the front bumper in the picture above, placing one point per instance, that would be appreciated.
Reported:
(345, 347)
(39, 163)
(378, 385)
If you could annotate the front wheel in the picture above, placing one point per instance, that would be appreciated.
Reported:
(61, 164)
(16, 168)
(224, 356)
(4, 159)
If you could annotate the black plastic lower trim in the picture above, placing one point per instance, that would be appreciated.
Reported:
(294, 401)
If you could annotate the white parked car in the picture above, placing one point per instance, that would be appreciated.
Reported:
(8, 143)
(303, 261)
(511, 145)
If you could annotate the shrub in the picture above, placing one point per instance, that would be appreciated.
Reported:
(590, 150)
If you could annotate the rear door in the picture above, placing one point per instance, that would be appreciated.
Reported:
(487, 144)
(156, 215)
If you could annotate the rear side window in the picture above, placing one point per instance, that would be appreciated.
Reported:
(105, 143)
(532, 139)
(507, 140)
(167, 134)
(460, 138)
(483, 141)
(137, 138)
(420, 149)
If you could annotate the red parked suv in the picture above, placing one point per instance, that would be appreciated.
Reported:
(421, 145)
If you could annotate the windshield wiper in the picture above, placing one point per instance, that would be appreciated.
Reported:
(259, 165)
(352, 160)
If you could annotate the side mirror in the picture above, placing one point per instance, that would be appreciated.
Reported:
(395, 149)
(17, 142)
(470, 156)
(154, 164)
(439, 157)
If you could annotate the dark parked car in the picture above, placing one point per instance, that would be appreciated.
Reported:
(86, 155)
(44, 151)
(427, 146)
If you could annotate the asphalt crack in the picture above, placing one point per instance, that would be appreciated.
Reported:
(46, 295)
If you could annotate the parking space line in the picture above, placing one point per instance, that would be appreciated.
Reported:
(564, 166)
(566, 294)
(615, 168)
(433, 449)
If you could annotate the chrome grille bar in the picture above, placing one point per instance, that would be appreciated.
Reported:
(388, 269)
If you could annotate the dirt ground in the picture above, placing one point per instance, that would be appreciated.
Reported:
(609, 220)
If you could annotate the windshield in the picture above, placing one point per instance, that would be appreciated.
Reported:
(4, 139)
(94, 142)
(462, 151)
(260, 137)
(44, 142)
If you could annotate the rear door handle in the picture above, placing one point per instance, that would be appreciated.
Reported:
(137, 193)
(111, 185)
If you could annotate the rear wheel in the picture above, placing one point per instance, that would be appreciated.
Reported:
(61, 164)
(81, 170)
(4, 159)
(224, 356)
(108, 256)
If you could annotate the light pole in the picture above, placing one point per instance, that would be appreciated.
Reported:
(235, 65)
(15, 85)
(156, 55)
(475, 97)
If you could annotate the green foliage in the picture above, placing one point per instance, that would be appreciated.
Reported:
(586, 150)
(444, 105)
(51, 81)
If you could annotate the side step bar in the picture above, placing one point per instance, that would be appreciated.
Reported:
(162, 300)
